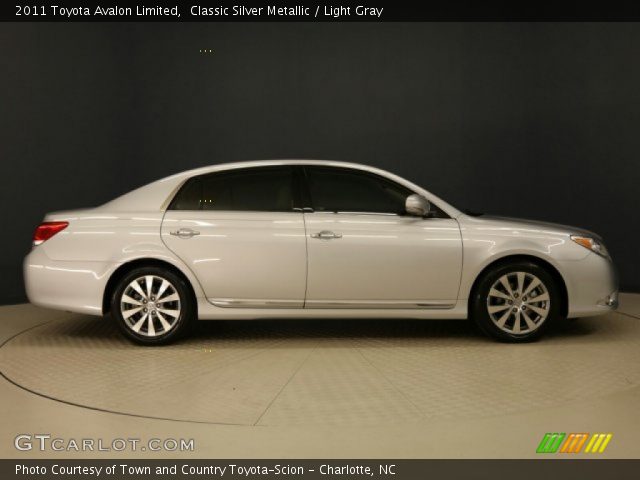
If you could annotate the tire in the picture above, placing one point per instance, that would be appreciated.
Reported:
(516, 302)
(144, 319)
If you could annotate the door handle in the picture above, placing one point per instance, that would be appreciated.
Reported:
(185, 233)
(326, 235)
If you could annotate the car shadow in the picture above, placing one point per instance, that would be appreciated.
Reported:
(269, 330)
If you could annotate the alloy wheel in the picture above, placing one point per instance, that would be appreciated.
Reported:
(518, 303)
(150, 306)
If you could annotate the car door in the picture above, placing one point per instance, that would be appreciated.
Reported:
(364, 252)
(238, 232)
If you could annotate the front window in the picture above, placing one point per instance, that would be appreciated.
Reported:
(348, 190)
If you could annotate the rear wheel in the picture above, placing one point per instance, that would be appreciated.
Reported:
(516, 302)
(152, 306)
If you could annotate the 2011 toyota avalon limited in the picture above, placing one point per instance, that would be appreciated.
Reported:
(310, 239)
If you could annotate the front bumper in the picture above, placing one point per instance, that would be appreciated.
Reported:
(610, 301)
(592, 286)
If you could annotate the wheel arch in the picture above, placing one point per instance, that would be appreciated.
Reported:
(550, 268)
(126, 267)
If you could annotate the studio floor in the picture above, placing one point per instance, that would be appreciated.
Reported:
(321, 389)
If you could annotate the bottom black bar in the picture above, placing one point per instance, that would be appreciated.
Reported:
(318, 469)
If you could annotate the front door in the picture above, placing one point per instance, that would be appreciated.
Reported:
(363, 252)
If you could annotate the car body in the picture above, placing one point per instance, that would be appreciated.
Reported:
(308, 239)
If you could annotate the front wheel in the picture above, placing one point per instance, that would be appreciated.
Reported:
(516, 302)
(152, 306)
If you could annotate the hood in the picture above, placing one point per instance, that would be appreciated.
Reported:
(519, 223)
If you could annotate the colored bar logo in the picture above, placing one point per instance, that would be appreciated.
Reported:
(573, 443)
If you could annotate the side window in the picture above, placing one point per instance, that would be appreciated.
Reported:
(260, 189)
(347, 190)
(189, 197)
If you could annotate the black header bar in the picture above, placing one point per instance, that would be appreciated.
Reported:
(374, 11)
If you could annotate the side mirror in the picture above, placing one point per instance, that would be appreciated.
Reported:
(417, 205)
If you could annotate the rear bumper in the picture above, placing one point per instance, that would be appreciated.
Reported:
(66, 285)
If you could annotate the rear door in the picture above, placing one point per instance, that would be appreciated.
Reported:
(237, 230)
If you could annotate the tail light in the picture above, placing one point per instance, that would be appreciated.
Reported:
(46, 230)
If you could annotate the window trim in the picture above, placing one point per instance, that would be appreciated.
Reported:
(295, 189)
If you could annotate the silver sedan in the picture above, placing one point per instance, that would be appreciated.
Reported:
(310, 239)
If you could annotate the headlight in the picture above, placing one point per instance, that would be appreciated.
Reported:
(592, 244)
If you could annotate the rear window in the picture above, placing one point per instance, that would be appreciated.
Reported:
(261, 189)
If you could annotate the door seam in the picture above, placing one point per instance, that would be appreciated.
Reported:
(306, 251)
